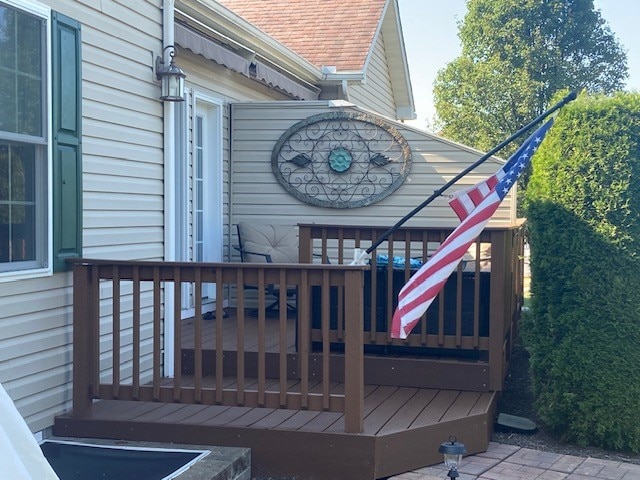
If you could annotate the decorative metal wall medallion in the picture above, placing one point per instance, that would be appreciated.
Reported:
(341, 160)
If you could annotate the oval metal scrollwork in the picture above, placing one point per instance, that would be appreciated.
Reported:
(341, 160)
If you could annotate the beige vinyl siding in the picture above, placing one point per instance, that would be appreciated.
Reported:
(258, 197)
(123, 202)
(376, 93)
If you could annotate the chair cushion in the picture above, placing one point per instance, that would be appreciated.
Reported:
(278, 241)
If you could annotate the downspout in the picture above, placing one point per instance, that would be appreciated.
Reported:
(231, 184)
(169, 192)
(345, 90)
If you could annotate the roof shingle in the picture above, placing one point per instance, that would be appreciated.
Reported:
(325, 32)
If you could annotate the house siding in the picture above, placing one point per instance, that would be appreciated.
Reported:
(122, 195)
(258, 198)
(376, 93)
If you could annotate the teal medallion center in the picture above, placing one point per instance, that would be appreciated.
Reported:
(340, 159)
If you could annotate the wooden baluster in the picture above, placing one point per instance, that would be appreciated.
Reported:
(476, 296)
(425, 258)
(219, 343)
(325, 243)
(136, 332)
(389, 289)
(459, 276)
(261, 338)
(94, 315)
(326, 321)
(282, 336)
(197, 347)
(340, 290)
(115, 366)
(177, 335)
(304, 322)
(240, 336)
(441, 305)
(373, 295)
(157, 333)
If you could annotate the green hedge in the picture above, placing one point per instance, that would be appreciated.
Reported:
(583, 330)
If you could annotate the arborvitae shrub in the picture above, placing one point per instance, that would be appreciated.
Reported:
(583, 331)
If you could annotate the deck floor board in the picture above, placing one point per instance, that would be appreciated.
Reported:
(298, 420)
(321, 422)
(436, 408)
(274, 419)
(163, 410)
(407, 414)
(387, 409)
(462, 406)
(182, 414)
(204, 415)
(482, 405)
(250, 417)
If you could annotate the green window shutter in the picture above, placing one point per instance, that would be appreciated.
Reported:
(66, 84)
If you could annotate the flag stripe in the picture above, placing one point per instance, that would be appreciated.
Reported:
(415, 301)
(474, 206)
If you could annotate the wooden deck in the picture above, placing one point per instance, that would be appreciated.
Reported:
(324, 393)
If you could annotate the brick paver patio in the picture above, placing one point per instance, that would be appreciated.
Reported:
(509, 462)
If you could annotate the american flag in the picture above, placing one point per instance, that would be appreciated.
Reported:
(464, 201)
(479, 204)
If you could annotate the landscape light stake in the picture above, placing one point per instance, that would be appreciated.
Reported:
(453, 452)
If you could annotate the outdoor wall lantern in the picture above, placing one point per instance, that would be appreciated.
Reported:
(453, 452)
(171, 78)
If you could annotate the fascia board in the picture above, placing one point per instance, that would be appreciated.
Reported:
(396, 39)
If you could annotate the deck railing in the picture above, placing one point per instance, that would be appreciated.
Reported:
(313, 359)
(118, 328)
(474, 316)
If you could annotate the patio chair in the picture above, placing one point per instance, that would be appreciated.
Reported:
(269, 244)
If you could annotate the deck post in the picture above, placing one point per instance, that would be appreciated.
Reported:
(354, 351)
(498, 309)
(304, 244)
(85, 321)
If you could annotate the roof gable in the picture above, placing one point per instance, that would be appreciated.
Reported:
(324, 32)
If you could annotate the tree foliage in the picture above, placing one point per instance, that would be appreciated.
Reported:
(516, 55)
(583, 331)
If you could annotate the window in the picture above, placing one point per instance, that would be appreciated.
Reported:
(40, 187)
(23, 140)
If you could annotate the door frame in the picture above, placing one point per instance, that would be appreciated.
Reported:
(212, 173)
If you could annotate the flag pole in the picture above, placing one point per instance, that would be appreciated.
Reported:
(437, 193)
